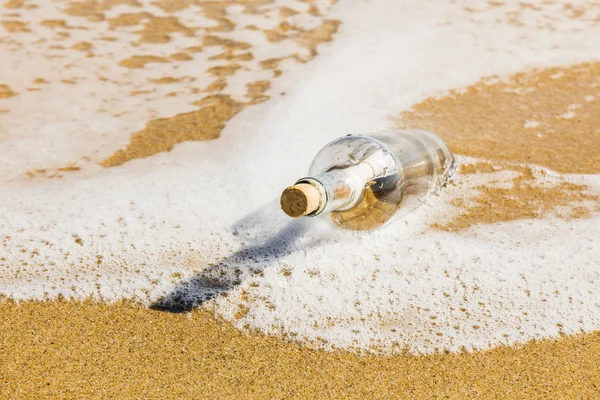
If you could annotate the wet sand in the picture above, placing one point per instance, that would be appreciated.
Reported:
(64, 349)
(546, 117)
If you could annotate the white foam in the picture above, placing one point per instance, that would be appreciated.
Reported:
(139, 230)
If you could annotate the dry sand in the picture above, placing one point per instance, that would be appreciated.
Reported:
(85, 350)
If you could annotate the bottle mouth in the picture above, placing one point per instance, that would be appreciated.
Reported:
(319, 197)
(303, 199)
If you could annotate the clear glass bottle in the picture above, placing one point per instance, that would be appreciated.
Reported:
(363, 181)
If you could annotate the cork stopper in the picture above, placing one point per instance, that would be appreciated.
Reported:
(299, 200)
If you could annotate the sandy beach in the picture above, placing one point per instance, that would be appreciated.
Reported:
(145, 145)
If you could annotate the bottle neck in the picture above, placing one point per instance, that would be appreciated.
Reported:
(340, 189)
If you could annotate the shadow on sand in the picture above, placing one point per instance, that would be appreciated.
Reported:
(230, 272)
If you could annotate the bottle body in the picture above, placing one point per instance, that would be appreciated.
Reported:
(364, 181)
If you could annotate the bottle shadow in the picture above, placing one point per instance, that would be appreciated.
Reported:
(222, 277)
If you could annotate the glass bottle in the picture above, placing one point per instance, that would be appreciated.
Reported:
(363, 181)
